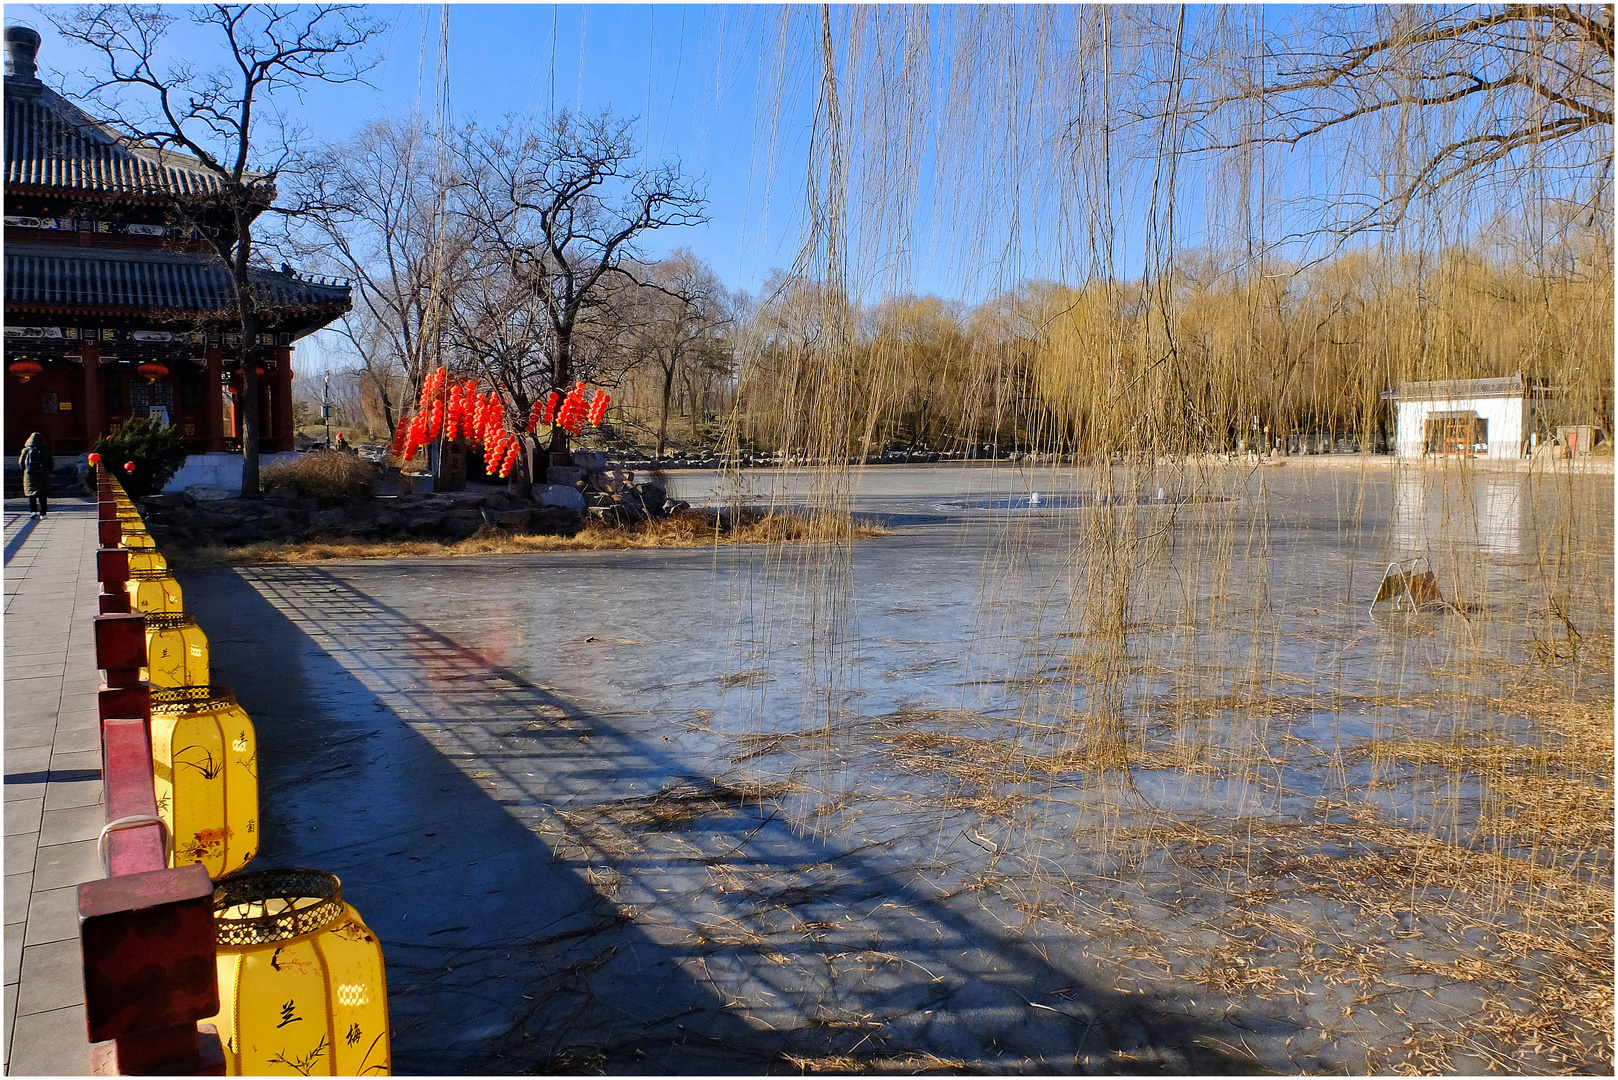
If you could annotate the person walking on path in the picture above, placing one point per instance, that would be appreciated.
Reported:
(37, 465)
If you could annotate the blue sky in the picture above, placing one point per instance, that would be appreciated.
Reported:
(663, 64)
(703, 81)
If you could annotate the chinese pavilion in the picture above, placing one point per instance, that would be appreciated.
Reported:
(111, 309)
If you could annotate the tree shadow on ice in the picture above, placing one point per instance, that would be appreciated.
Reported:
(556, 894)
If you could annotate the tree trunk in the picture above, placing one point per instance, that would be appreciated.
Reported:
(387, 407)
(562, 374)
(248, 311)
(663, 420)
(522, 473)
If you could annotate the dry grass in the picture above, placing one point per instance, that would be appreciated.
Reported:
(684, 530)
(326, 474)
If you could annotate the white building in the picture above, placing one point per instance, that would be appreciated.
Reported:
(1482, 417)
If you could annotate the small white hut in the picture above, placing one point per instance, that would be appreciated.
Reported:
(1472, 417)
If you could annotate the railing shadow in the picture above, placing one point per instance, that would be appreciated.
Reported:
(556, 893)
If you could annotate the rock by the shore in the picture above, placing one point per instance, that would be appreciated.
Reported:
(559, 496)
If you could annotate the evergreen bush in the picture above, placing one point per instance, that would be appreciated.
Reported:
(155, 447)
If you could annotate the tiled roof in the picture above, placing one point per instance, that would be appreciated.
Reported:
(52, 143)
(57, 276)
(1459, 389)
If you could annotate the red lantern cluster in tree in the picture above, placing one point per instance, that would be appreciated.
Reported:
(456, 409)
(543, 414)
(571, 415)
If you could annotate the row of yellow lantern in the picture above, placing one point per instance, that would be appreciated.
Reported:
(301, 980)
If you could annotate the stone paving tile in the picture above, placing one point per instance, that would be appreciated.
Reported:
(53, 915)
(70, 739)
(19, 853)
(33, 651)
(58, 865)
(18, 702)
(76, 761)
(25, 787)
(18, 887)
(13, 934)
(28, 759)
(33, 671)
(66, 794)
(66, 826)
(26, 735)
(76, 713)
(23, 815)
(50, 1044)
(11, 1018)
(52, 977)
(39, 684)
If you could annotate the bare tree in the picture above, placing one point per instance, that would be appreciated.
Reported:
(498, 330)
(1472, 94)
(675, 325)
(564, 208)
(384, 225)
(216, 115)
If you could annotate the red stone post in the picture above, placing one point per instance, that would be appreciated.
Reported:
(213, 405)
(281, 407)
(94, 403)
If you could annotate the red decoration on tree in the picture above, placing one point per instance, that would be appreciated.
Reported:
(598, 408)
(129, 466)
(94, 459)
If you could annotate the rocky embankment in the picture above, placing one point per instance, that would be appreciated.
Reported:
(202, 517)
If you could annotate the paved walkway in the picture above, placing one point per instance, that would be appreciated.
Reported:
(52, 780)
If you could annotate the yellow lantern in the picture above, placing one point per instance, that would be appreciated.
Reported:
(154, 590)
(143, 553)
(301, 984)
(205, 776)
(176, 650)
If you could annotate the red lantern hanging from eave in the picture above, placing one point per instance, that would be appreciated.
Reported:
(25, 368)
(153, 370)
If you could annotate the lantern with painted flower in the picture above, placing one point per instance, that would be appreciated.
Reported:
(205, 776)
(154, 590)
(176, 650)
(301, 982)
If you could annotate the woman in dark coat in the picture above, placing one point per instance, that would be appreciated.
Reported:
(37, 466)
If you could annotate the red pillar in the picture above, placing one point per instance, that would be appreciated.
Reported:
(213, 406)
(95, 398)
(282, 406)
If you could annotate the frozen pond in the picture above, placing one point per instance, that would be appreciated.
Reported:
(1111, 782)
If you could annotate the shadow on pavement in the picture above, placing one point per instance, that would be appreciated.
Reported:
(555, 894)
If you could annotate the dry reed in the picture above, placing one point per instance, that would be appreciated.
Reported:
(682, 530)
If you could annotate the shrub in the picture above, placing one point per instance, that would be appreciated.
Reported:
(327, 474)
(155, 447)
